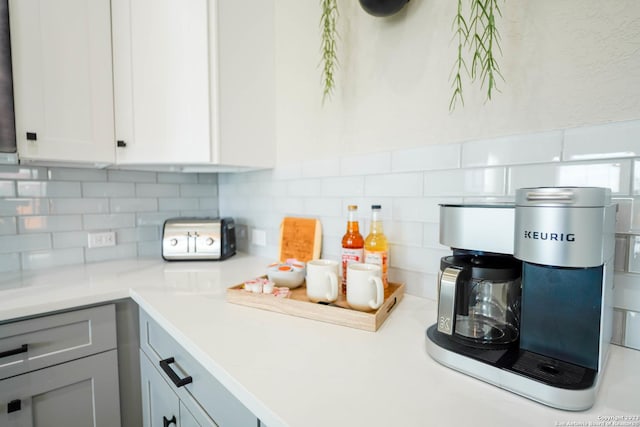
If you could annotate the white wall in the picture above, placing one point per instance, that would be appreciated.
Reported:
(565, 64)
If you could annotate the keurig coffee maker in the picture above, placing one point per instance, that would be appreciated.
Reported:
(525, 300)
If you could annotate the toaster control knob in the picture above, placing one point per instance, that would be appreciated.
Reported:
(173, 241)
(209, 241)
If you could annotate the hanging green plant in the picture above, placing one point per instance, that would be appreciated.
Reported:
(328, 45)
(479, 34)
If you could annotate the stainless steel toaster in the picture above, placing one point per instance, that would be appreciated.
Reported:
(198, 239)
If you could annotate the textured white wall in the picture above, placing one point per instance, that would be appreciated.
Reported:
(566, 63)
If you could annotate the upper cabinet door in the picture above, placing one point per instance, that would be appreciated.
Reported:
(161, 81)
(194, 82)
(62, 73)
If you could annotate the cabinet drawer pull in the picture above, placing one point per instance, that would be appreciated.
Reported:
(22, 349)
(32, 136)
(167, 423)
(121, 144)
(179, 382)
(14, 406)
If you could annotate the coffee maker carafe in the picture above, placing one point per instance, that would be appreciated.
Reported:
(542, 326)
(479, 298)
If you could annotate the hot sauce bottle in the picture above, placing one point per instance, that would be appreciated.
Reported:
(352, 245)
(376, 247)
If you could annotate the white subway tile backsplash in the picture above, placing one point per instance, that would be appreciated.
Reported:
(315, 207)
(7, 189)
(124, 251)
(207, 178)
(24, 242)
(20, 206)
(366, 164)
(431, 236)
(149, 249)
(424, 260)
(49, 189)
(288, 205)
(432, 157)
(364, 208)
(424, 209)
(416, 283)
(209, 204)
(623, 214)
(620, 259)
(70, 239)
(304, 188)
(632, 330)
(404, 233)
(154, 218)
(49, 224)
(108, 189)
(8, 225)
(177, 178)
(73, 174)
(634, 254)
(22, 172)
(350, 186)
(198, 190)
(130, 176)
(108, 221)
(636, 177)
(175, 203)
(132, 204)
(156, 190)
(78, 206)
(45, 213)
(9, 262)
(465, 182)
(394, 185)
(517, 149)
(607, 141)
(615, 175)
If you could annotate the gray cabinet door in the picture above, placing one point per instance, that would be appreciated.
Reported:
(161, 406)
(80, 393)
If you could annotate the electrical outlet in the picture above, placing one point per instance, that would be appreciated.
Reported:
(259, 237)
(102, 239)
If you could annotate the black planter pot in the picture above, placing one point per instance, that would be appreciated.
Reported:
(382, 8)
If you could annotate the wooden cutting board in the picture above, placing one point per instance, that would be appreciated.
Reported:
(300, 238)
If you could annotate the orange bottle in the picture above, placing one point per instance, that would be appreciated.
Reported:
(376, 247)
(352, 245)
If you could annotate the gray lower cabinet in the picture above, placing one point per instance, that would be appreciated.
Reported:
(174, 384)
(60, 370)
(161, 406)
(80, 393)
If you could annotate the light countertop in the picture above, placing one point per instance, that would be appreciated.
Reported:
(297, 372)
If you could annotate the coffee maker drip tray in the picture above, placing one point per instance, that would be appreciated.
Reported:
(553, 372)
(546, 370)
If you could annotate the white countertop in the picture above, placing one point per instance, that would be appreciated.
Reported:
(297, 372)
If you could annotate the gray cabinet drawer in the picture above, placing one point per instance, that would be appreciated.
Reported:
(80, 393)
(215, 399)
(31, 344)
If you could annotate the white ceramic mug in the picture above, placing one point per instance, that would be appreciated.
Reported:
(322, 280)
(365, 290)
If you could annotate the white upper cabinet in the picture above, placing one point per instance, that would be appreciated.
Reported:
(62, 73)
(194, 82)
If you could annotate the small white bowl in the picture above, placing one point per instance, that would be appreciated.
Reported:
(290, 275)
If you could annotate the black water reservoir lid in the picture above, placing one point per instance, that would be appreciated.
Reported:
(485, 267)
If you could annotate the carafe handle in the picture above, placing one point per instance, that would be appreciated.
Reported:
(447, 299)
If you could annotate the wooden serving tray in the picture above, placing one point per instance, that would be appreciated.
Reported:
(338, 312)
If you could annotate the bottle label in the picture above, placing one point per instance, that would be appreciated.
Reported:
(349, 256)
(380, 258)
